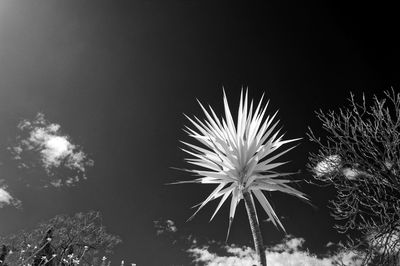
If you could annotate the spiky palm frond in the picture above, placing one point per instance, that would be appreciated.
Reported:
(239, 157)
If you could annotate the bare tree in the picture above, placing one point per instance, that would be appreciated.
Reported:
(61, 241)
(360, 158)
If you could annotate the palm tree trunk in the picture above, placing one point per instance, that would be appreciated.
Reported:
(255, 228)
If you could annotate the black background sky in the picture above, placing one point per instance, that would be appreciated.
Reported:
(118, 76)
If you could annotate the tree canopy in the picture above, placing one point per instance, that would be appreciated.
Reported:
(62, 240)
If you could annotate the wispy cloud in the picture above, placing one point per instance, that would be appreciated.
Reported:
(40, 139)
(288, 253)
(165, 227)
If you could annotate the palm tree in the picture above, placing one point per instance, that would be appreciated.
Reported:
(240, 159)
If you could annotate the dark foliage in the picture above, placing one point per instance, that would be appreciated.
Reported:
(61, 241)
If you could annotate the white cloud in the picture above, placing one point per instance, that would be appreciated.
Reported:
(6, 198)
(385, 242)
(348, 258)
(351, 173)
(288, 253)
(328, 165)
(333, 163)
(202, 255)
(289, 244)
(44, 140)
(56, 148)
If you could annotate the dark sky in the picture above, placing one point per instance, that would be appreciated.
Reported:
(118, 76)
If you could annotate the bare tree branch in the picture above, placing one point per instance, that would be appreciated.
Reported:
(360, 158)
